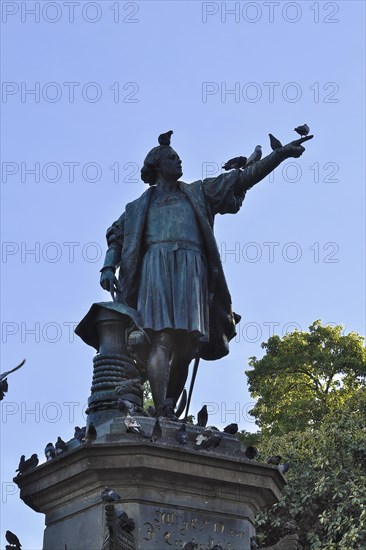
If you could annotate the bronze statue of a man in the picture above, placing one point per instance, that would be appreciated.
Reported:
(169, 264)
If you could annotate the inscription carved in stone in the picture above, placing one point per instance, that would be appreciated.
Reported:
(175, 528)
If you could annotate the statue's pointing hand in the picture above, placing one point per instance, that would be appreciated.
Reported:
(295, 148)
(109, 281)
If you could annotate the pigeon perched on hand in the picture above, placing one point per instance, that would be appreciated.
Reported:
(108, 495)
(50, 451)
(79, 434)
(255, 156)
(235, 163)
(231, 429)
(3, 380)
(302, 130)
(13, 540)
(181, 435)
(202, 417)
(274, 142)
(164, 139)
(60, 446)
(90, 433)
(25, 465)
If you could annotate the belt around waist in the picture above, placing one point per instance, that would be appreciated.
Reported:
(173, 245)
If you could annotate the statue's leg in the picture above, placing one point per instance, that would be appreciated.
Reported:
(178, 377)
(158, 365)
(184, 351)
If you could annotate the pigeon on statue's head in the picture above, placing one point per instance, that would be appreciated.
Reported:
(164, 139)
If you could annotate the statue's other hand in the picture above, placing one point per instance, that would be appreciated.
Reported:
(295, 148)
(109, 281)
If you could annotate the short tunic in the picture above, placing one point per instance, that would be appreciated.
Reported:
(173, 281)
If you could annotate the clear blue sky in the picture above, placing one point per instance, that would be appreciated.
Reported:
(108, 77)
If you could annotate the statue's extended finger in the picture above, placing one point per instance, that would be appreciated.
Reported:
(302, 140)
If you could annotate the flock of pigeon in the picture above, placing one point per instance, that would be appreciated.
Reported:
(83, 435)
(243, 162)
(210, 438)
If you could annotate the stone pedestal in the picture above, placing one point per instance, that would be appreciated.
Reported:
(174, 493)
(105, 328)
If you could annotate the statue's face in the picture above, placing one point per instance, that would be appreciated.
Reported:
(170, 166)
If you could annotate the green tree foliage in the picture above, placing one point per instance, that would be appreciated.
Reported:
(305, 375)
(147, 396)
(249, 438)
(326, 491)
(311, 408)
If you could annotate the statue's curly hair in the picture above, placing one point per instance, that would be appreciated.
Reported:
(151, 164)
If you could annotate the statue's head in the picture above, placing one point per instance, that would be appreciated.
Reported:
(161, 161)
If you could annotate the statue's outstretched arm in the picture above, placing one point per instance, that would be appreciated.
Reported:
(259, 170)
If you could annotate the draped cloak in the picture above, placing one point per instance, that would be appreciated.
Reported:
(125, 240)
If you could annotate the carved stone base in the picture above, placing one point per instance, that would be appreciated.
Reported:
(104, 327)
(173, 493)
